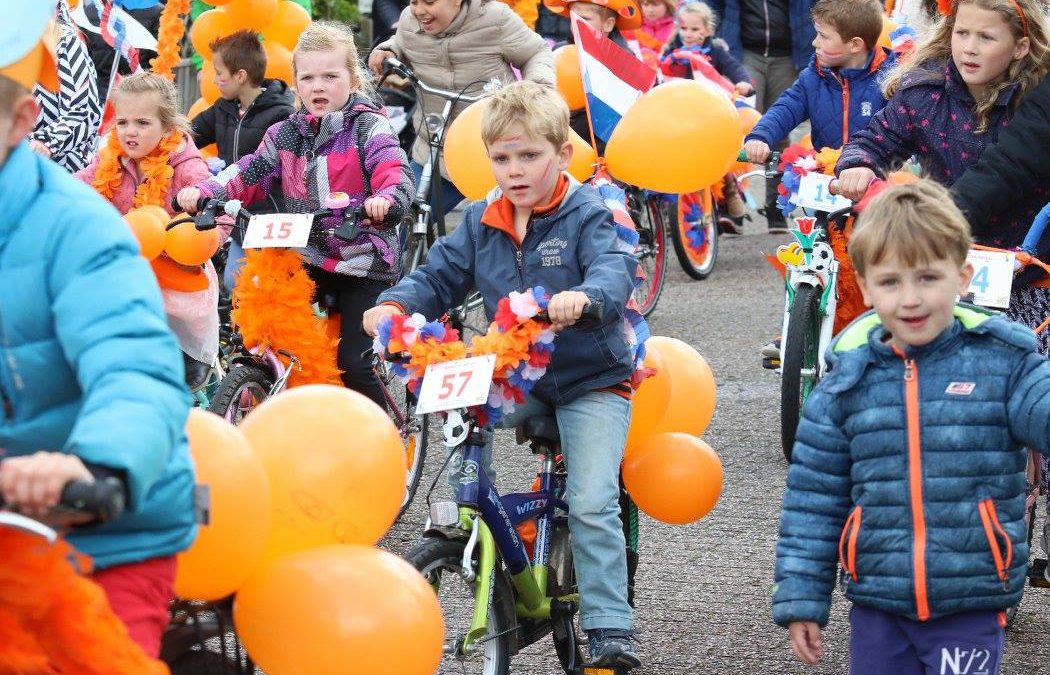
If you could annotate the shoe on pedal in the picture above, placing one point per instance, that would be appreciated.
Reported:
(612, 647)
(771, 354)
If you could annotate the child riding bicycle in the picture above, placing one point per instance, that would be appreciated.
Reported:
(543, 228)
(909, 461)
(89, 370)
(338, 142)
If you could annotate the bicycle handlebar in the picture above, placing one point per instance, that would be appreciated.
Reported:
(103, 499)
(391, 64)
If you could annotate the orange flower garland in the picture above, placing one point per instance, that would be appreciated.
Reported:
(169, 38)
(156, 171)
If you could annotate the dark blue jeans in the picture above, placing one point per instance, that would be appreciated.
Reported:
(969, 643)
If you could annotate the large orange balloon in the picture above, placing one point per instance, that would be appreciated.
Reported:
(209, 27)
(278, 62)
(148, 229)
(340, 610)
(675, 478)
(693, 395)
(291, 20)
(887, 28)
(581, 166)
(187, 245)
(216, 3)
(209, 90)
(251, 14)
(568, 78)
(659, 147)
(230, 544)
(649, 404)
(336, 467)
(199, 106)
(209, 151)
(748, 118)
(466, 158)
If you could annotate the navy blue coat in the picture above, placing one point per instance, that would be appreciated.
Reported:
(802, 31)
(823, 96)
(573, 248)
(927, 519)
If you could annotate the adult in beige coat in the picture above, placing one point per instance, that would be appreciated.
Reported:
(451, 44)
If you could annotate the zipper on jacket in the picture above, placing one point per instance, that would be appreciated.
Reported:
(990, 523)
(237, 133)
(765, 12)
(848, 543)
(845, 110)
(911, 406)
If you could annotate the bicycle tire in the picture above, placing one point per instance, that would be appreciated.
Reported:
(649, 215)
(697, 264)
(440, 561)
(414, 432)
(800, 352)
(245, 386)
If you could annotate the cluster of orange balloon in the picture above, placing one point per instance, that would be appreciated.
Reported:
(467, 159)
(670, 473)
(299, 495)
(183, 243)
(279, 21)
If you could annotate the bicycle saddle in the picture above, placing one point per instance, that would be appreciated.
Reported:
(539, 428)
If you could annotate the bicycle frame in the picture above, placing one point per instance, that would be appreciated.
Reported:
(818, 269)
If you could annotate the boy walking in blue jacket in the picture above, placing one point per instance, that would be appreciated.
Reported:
(541, 228)
(909, 463)
(839, 90)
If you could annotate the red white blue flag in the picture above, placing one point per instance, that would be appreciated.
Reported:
(613, 78)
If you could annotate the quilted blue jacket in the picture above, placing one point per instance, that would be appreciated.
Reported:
(88, 365)
(908, 469)
(837, 104)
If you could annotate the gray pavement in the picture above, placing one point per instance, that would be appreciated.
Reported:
(704, 589)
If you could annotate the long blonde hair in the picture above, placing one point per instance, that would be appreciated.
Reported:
(1026, 72)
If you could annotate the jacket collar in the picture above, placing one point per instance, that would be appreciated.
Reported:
(332, 123)
(499, 214)
(876, 58)
(20, 179)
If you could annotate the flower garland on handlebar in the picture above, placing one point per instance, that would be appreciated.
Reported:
(521, 343)
(796, 161)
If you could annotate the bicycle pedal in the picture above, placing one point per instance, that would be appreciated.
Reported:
(770, 363)
(604, 670)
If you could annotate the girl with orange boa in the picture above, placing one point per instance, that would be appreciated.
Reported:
(145, 160)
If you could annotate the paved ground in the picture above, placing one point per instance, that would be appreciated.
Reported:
(703, 590)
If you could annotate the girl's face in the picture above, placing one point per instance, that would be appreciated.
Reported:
(435, 15)
(693, 29)
(139, 128)
(983, 46)
(323, 81)
(653, 11)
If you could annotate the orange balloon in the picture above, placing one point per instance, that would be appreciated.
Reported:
(657, 147)
(568, 78)
(693, 394)
(291, 20)
(209, 27)
(466, 158)
(336, 467)
(209, 90)
(230, 544)
(675, 478)
(340, 610)
(748, 117)
(187, 245)
(278, 62)
(209, 151)
(148, 229)
(254, 15)
(581, 166)
(649, 404)
(901, 178)
(199, 106)
(887, 28)
(216, 3)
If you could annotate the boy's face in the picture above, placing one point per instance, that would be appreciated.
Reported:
(832, 50)
(229, 84)
(595, 15)
(527, 167)
(692, 29)
(917, 303)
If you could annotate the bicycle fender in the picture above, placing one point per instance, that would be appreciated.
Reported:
(450, 533)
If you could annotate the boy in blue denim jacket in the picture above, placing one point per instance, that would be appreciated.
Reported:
(909, 463)
(542, 228)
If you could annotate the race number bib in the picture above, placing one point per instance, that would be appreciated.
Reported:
(278, 230)
(456, 384)
(993, 278)
(813, 194)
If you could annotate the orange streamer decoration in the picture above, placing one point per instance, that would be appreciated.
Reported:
(156, 171)
(169, 38)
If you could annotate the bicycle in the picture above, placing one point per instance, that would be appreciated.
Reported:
(650, 212)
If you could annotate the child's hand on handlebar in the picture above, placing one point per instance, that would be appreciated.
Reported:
(376, 58)
(853, 183)
(376, 208)
(757, 152)
(188, 198)
(34, 483)
(371, 318)
(565, 308)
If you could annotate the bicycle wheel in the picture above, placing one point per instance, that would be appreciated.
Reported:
(245, 386)
(799, 370)
(562, 581)
(414, 431)
(649, 214)
(440, 561)
(695, 228)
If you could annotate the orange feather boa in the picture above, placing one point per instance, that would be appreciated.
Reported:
(169, 38)
(156, 171)
(271, 307)
(55, 621)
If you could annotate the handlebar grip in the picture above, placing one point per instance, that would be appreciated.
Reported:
(741, 156)
(104, 499)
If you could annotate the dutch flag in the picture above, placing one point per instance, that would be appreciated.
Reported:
(613, 78)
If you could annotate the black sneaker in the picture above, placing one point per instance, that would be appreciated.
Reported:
(612, 647)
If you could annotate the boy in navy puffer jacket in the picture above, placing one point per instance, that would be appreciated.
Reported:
(839, 90)
(909, 461)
